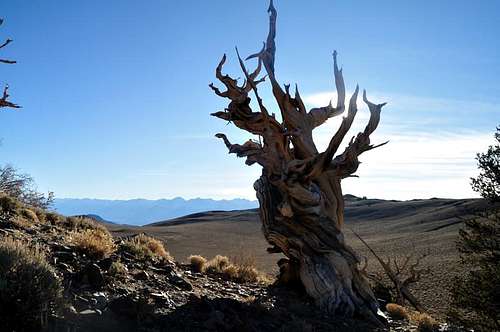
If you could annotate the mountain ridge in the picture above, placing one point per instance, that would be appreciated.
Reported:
(141, 211)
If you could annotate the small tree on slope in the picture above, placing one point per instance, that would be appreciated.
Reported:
(476, 294)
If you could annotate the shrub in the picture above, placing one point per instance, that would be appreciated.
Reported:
(396, 311)
(27, 284)
(425, 323)
(488, 181)
(41, 215)
(117, 269)
(53, 218)
(23, 188)
(230, 272)
(146, 247)
(247, 270)
(29, 215)
(77, 223)
(96, 243)
(476, 293)
(240, 268)
(217, 264)
(198, 263)
(9, 207)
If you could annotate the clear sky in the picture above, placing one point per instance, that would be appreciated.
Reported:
(116, 101)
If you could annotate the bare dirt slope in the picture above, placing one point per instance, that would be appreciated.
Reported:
(390, 227)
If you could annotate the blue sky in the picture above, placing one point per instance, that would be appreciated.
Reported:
(116, 101)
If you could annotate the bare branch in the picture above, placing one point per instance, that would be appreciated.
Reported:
(4, 102)
(321, 114)
(250, 149)
(7, 42)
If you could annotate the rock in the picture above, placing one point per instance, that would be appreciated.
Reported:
(177, 280)
(100, 300)
(124, 306)
(65, 268)
(88, 312)
(130, 306)
(60, 247)
(141, 275)
(64, 256)
(105, 263)
(94, 275)
(159, 296)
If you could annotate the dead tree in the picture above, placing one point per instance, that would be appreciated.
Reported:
(5, 95)
(300, 196)
(401, 271)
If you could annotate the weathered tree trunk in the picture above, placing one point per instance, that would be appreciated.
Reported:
(300, 196)
(327, 267)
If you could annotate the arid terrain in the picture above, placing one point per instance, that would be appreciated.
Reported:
(403, 227)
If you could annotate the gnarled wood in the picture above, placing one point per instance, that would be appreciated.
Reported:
(300, 195)
(402, 275)
(3, 100)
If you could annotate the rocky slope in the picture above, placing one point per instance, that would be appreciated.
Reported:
(152, 294)
(392, 228)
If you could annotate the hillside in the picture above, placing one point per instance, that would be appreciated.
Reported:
(143, 211)
(69, 274)
(403, 227)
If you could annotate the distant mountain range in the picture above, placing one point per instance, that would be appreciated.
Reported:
(143, 211)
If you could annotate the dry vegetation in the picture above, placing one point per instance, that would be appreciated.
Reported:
(198, 263)
(117, 269)
(238, 268)
(94, 242)
(425, 322)
(28, 284)
(396, 311)
(146, 247)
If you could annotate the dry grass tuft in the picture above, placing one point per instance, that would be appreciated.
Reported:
(9, 207)
(396, 311)
(77, 223)
(96, 243)
(15, 213)
(117, 269)
(425, 323)
(146, 247)
(29, 215)
(41, 215)
(198, 263)
(231, 272)
(240, 268)
(27, 283)
(53, 218)
(217, 264)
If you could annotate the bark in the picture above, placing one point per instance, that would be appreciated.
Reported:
(300, 195)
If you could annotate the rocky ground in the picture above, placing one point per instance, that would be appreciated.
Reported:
(162, 295)
(392, 228)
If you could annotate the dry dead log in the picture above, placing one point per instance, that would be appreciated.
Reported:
(300, 196)
(401, 271)
(3, 100)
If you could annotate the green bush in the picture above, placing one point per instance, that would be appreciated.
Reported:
(27, 285)
(476, 294)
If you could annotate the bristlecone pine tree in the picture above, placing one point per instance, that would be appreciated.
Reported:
(300, 196)
(3, 100)
(478, 290)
